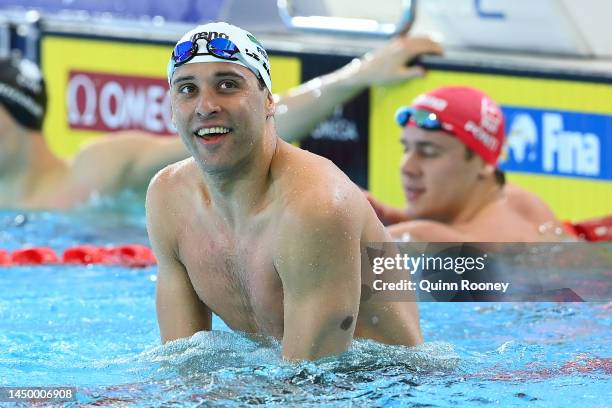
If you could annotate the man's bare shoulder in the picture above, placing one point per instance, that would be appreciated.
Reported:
(171, 175)
(171, 184)
(528, 204)
(168, 197)
(322, 206)
(314, 187)
(294, 165)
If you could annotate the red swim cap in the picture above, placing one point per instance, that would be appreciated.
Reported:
(470, 115)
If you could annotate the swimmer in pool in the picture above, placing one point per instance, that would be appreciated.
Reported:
(452, 138)
(264, 234)
(33, 176)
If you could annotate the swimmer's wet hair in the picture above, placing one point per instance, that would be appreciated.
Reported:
(22, 91)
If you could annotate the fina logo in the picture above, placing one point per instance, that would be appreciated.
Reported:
(561, 151)
(522, 138)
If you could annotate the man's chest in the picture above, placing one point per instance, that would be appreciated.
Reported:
(236, 278)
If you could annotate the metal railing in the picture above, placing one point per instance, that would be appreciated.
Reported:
(347, 25)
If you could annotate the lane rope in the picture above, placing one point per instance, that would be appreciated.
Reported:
(132, 255)
(139, 256)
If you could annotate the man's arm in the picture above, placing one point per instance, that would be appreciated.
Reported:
(318, 262)
(153, 154)
(127, 159)
(303, 107)
(180, 312)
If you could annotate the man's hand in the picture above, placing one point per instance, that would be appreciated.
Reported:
(391, 62)
(386, 214)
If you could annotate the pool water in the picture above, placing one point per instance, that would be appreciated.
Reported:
(94, 328)
(105, 221)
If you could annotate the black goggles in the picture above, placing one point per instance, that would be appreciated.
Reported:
(421, 118)
(219, 47)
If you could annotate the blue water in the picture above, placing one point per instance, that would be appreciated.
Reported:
(94, 328)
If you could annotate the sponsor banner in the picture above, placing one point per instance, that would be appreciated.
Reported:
(558, 143)
(343, 137)
(107, 102)
(487, 272)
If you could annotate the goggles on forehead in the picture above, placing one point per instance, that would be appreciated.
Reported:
(219, 47)
(421, 118)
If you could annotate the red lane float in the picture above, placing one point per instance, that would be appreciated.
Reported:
(34, 256)
(133, 256)
(595, 230)
(83, 254)
(5, 258)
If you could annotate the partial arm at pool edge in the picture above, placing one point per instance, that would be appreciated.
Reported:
(303, 107)
(128, 159)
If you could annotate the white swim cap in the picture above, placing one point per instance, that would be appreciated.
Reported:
(221, 42)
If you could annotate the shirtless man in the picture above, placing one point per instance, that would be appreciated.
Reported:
(263, 234)
(452, 138)
(32, 176)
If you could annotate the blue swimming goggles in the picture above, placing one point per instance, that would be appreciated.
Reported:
(422, 118)
(219, 47)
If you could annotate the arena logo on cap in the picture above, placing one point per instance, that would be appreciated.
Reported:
(210, 35)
